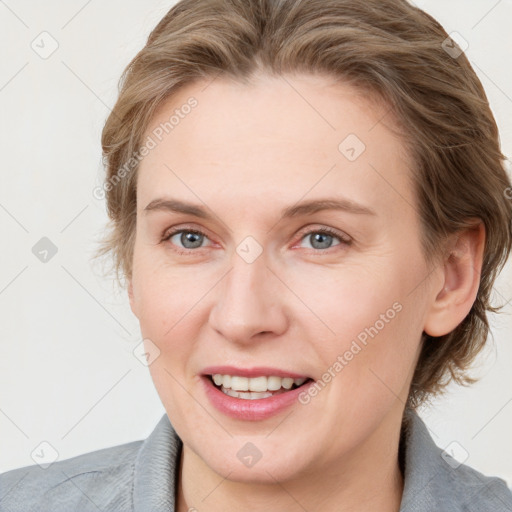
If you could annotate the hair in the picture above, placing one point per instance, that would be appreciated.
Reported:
(386, 47)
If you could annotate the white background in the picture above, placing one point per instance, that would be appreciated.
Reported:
(67, 372)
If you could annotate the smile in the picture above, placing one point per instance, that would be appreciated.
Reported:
(255, 388)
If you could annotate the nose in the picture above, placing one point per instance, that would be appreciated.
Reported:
(249, 302)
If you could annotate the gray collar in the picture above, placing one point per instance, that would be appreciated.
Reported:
(433, 480)
(156, 470)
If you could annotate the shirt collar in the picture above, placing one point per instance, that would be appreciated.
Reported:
(156, 470)
(432, 479)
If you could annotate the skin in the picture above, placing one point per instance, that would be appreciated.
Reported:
(246, 152)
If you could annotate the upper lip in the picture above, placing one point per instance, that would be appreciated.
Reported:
(255, 371)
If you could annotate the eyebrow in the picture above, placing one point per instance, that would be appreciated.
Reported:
(303, 208)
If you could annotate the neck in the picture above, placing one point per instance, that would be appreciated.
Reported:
(366, 480)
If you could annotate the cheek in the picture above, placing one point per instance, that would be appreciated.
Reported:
(173, 309)
(371, 325)
(167, 296)
(344, 301)
(171, 316)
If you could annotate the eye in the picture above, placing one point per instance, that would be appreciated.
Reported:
(189, 239)
(321, 239)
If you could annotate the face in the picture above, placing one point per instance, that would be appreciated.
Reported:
(301, 256)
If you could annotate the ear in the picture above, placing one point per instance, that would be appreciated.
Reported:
(462, 267)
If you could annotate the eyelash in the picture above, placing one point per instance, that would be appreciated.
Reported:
(344, 240)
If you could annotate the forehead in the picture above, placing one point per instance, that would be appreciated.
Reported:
(284, 137)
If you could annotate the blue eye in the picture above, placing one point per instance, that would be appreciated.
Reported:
(323, 238)
(190, 239)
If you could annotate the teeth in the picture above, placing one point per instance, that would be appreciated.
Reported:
(274, 383)
(287, 383)
(239, 383)
(217, 378)
(258, 385)
(246, 395)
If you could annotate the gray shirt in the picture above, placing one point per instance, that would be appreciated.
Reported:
(142, 476)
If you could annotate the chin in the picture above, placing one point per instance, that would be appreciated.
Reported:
(261, 473)
(265, 467)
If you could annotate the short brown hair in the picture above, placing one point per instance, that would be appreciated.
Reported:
(387, 47)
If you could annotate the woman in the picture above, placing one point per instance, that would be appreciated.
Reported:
(309, 207)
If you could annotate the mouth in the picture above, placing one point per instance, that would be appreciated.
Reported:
(255, 388)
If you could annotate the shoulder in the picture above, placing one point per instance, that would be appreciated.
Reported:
(434, 478)
(470, 490)
(137, 476)
(87, 482)
(477, 490)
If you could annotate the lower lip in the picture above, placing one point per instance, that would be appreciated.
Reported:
(251, 410)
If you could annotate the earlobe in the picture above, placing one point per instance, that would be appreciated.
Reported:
(461, 271)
